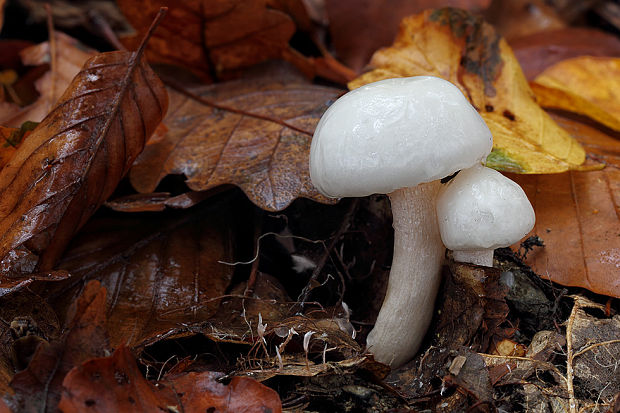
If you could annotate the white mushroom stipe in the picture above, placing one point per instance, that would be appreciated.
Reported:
(481, 210)
(399, 137)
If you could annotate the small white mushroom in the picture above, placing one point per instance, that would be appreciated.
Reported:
(481, 210)
(400, 137)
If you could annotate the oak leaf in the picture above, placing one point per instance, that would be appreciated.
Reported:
(38, 387)
(465, 50)
(210, 37)
(254, 133)
(577, 217)
(586, 85)
(72, 162)
(161, 272)
(128, 391)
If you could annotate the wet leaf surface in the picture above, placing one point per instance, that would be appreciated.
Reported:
(463, 49)
(128, 391)
(72, 162)
(160, 272)
(577, 217)
(69, 58)
(586, 85)
(538, 51)
(211, 37)
(39, 386)
(358, 29)
(262, 146)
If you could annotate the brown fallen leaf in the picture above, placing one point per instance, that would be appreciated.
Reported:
(157, 201)
(38, 387)
(128, 391)
(538, 51)
(585, 85)
(10, 139)
(69, 59)
(358, 29)
(2, 4)
(578, 218)
(161, 272)
(211, 37)
(516, 18)
(254, 133)
(461, 48)
(74, 159)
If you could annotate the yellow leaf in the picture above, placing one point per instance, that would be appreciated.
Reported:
(586, 85)
(463, 49)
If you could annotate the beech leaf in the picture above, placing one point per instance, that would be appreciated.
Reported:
(128, 391)
(210, 37)
(463, 49)
(254, 133)
(161, 272)
(586, 85)
(38, 387)
(577, 217)
(72, 162)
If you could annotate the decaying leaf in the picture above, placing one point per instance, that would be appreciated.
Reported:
(577, 217)
(70, 57)
(586, 85)
(255, 133)
(161, 272)
(538, 51)
(461, 48)
(211, 37)
(516, 18)
(128, 391)
(10, 139)
(357, 30)
(39, 386)
(74, 159)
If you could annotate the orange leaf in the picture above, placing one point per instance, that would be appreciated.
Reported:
(260, 144)
(126, 390)
(586, 85)
(210, 37)
(10, 139)
(461, 48)
(72, 162)
(578, 217)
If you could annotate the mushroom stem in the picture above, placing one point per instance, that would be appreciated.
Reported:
(478, 257)
(414, 278)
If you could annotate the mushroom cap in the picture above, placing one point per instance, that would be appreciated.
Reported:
(396, 133)
(482, 209)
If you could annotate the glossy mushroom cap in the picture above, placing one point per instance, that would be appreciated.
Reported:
(482, 209)
(393, 134)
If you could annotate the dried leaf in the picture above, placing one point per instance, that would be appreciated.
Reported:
(74, 159)
(586, 85)
(260, 144)
(70, 57)
(358, 29)
(128, 391)
(463, 49)
(516, 18)
(10, 138)
(2, 4)
(157, 201)
(538, 51)
(38, 387)
(210, 37)
(577, 217)
(161, 272)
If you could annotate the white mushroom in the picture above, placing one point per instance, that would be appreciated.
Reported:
(480, 210)
(400, 137)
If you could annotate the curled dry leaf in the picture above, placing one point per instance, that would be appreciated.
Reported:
(70, 57)
(463, 49)
(210, 37)
(538, 51)
(128, 391)
(586, 85)
(261, 143)
(74, 159)
(161, 272)
(577, 217)
(38, 387)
